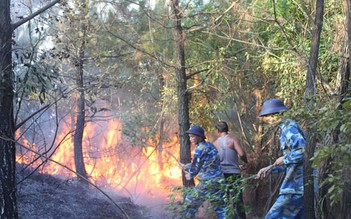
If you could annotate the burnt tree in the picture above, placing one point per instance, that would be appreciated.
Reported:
(7, 128)
(182, 93)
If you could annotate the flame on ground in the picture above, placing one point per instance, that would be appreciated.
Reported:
(111, 161)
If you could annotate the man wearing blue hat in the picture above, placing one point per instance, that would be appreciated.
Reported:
(205, 165)
(289, 203)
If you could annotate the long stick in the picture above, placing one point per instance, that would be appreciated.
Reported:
(172, 155)
(182, 166)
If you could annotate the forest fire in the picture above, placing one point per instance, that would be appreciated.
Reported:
(112, 162)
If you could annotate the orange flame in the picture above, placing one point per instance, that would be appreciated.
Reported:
(111, 161)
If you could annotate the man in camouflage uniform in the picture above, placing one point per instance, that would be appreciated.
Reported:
(206, 166)
(289, 203)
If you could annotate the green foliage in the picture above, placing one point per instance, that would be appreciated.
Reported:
(177, 205)
(233, 188)
(212, 50)
(333, 120)
(282, 34)
(34, 78)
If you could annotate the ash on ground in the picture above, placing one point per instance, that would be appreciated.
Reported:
(42, 196)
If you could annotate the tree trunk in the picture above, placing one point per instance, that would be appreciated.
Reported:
(79, 128)
(80, 119)
(346, 78)
(182, 94)
(8, 202)
(162, 122)
(310, 97)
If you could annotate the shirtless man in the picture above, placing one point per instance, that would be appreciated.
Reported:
(230, 150)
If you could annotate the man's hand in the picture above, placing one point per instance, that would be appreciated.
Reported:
(279, 161)
(243, 167)
(182, 166)
(187, 176)
(264, 172)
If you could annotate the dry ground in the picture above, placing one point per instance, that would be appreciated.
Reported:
(46, 197)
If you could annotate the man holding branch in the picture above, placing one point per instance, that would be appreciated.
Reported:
(289, 203)
(206, 166)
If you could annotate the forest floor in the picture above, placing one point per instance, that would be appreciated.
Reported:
(42, 196)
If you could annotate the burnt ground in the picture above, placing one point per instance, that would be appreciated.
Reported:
(42, 196)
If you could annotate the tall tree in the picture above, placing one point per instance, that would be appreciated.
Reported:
(8, 208)
(310, 93)
(7, 152)
(182, 93)
(80, 97)
(348, 29)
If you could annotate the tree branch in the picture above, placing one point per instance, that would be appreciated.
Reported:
(293, 47)
(195, 73)
(136, 48)
(30, 17)
(31, 116)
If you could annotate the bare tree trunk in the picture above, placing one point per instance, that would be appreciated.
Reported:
(182, 94)
(162, 122)
(79, 128)
(310, 97)
(160, 145)
(8, 202)
(80, 119)
(348, 29)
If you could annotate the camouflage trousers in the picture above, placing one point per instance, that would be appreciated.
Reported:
(211, 191)
(287, 207)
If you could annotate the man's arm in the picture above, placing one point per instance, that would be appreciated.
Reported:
(215, 143)
(238, 148)
(198, 160)
(294, 140)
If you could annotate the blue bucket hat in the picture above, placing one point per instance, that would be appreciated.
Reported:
(272, 106)
(197, 130)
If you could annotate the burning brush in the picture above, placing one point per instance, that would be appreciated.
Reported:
(181, 165)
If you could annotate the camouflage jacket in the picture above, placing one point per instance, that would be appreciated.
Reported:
(206, 163)
(292, 143)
